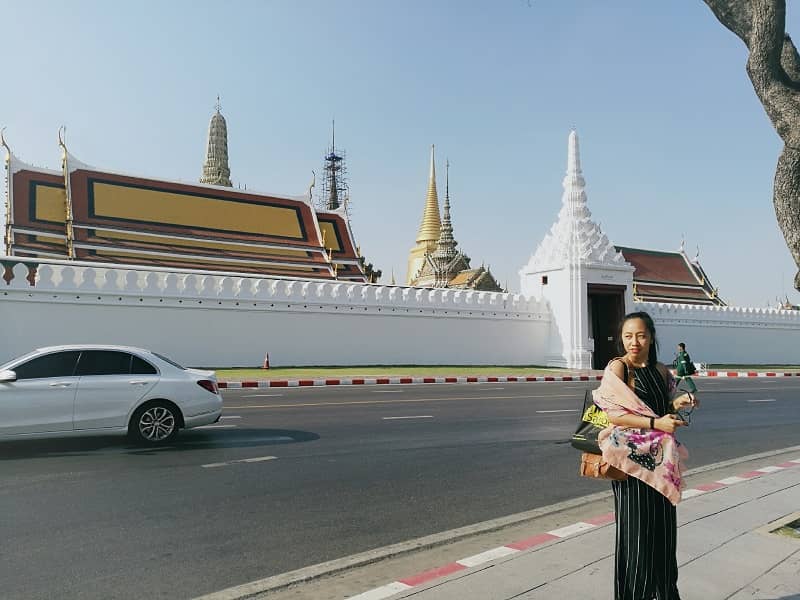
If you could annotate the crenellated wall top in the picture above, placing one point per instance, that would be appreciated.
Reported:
(96, 278)
(701, 312)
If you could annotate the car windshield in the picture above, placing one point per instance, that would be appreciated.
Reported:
(19, 359)
(169, 360)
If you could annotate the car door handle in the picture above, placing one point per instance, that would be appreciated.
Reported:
(138, 382)
(61, 384)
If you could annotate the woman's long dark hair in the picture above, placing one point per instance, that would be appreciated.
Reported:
(652, 355)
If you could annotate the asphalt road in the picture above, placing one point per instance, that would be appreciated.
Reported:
(296, 476)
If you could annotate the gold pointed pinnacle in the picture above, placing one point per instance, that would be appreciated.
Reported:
(431, 224)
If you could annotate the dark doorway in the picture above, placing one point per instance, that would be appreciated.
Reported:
(606, 309)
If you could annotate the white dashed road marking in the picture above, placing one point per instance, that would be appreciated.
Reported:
(231, 417)
(260, 395)
(241, 460)
(764, 400)
(409, 417)
(215, 427)
(559, 410)
(387, 391)
(258, 459)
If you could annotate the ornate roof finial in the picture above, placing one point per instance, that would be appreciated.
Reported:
(68, 215)
(431, 221)
(313, 183)
(333, 194)
(445, 250)
(218, 106)
(447, 181)
(683, 243)
(215, 168)
(7, 230)
(393, 282)
(697, 254)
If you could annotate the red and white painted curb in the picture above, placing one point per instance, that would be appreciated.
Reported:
(399, 380)
(267, 383)
(407, 583)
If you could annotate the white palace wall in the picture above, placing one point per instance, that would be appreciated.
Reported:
(217, 320)
(726, 334)
(212, 319)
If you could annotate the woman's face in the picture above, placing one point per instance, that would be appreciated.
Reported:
(636, 339)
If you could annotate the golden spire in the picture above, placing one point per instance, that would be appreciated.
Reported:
(431, 220)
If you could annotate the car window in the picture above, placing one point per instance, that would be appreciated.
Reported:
(139, 366)
(104, 362)
(169, 361)
(57, 364)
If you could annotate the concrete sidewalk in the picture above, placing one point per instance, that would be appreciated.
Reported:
(725, 551)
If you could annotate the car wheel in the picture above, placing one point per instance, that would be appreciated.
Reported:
(155, 423)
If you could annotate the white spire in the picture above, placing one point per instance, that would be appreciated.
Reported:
(574, 155)
(575, 238)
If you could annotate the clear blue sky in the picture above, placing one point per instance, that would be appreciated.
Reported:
(673, 138)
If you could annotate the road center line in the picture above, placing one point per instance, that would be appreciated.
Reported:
(215, 427)
(559, 410)
(260, 395)
(764, 400)
(256, 459)
(240, 460)
(387, 391)
(231, 417)
(409, 417)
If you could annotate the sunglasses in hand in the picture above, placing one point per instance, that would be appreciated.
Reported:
(687, 386)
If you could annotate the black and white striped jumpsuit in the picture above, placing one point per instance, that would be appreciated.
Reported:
(646, 567)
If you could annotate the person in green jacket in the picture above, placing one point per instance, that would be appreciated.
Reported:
(684, 368)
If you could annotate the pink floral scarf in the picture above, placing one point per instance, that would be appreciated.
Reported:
(653, 456)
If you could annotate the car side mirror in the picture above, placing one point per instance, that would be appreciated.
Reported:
(7, 376)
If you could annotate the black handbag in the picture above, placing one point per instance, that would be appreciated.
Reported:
(593, 421)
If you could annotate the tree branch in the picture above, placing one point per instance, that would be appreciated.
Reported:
(737, 16)
(771, 83)
(790, 61)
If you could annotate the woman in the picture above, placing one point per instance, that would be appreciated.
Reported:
(635, 393)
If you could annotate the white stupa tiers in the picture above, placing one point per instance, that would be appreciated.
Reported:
(574, 261)
(575, 238)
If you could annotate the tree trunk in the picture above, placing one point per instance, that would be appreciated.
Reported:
(787, 205)
(774, 69)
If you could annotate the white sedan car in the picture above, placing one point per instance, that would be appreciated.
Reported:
(101, 390)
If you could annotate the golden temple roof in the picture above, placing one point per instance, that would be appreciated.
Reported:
(431, 221)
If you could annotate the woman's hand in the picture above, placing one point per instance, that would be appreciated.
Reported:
(669, 423)
(687, 400)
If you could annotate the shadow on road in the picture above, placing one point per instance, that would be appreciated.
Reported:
(189, 440)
